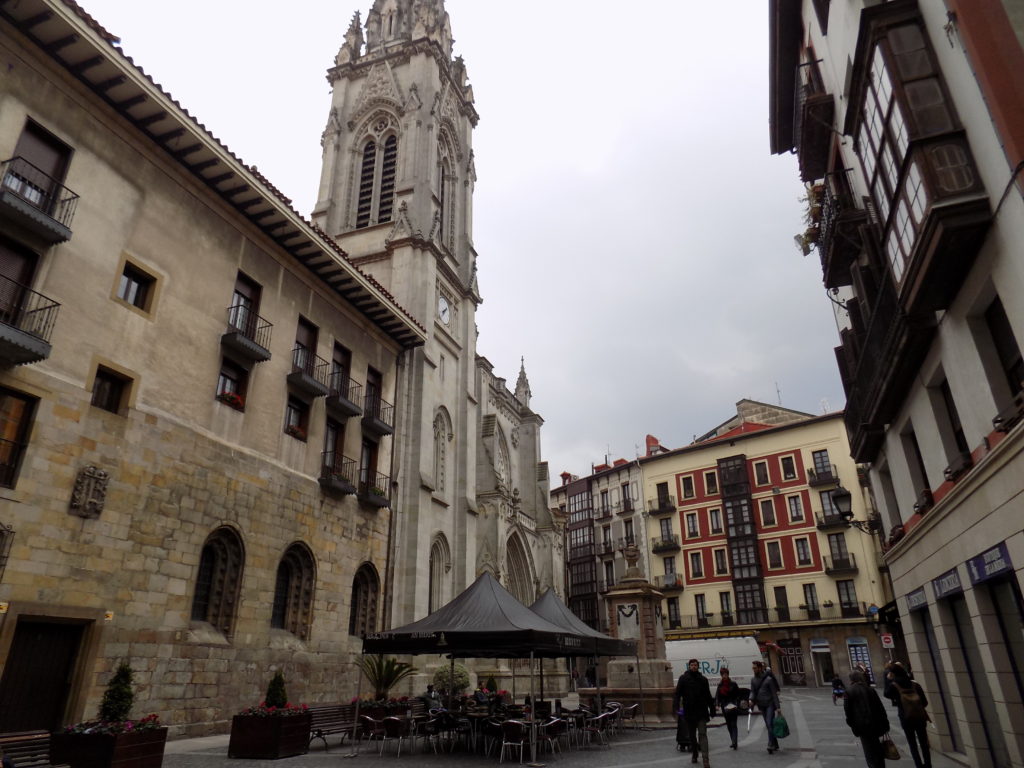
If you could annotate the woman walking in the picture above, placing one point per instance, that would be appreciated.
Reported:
(727, 699)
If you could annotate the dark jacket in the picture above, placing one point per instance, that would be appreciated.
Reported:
(864, 711)
(693, 693)
(764, 690)
(729, 693)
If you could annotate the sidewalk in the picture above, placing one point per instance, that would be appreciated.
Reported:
(820, 738)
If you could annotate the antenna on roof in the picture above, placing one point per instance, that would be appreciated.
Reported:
(778, 392)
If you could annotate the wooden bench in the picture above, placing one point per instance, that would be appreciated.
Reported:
(327, 719)
(28, 749)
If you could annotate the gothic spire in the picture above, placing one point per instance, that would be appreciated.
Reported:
(392, 21)
(523, 385)
(353, 44)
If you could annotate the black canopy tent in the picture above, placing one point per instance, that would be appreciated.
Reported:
(485, 621)
(549, 607)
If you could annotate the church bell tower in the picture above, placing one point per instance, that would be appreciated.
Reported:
(396, 192)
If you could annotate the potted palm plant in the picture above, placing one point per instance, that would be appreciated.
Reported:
(272, 729)
(113, 740)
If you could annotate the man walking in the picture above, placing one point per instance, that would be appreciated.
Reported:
(764, 692)
(693, 694)
(867, 719)
(910, 702)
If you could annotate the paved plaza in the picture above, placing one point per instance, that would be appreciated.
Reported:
(819, 739)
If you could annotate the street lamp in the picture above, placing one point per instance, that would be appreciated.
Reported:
(843, 501)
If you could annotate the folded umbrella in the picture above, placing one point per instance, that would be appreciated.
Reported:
(749, 715)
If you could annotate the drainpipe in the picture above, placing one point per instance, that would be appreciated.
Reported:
(389, 564)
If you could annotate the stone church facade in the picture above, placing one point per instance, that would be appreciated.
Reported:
(396, 192)
(228, 444)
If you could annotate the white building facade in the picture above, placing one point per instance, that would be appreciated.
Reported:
(907, 122)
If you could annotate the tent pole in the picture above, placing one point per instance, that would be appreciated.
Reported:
(451, 682)
(533, 722)
(542, 679)
(597, 684)
(355, 720)
(513, 663)
(640, 685)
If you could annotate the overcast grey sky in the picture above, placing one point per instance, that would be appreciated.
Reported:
(635, 236)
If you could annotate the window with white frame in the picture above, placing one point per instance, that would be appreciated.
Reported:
(768, 513)
(692, 531)
(696, 565)
(721, 562)
(710, 483)
(761, 472)
(774, 550)
(686, 484)
(788, 468)
(803, 551)
(715, 519)
(796, 509)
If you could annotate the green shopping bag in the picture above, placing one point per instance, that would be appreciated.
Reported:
(780, 728)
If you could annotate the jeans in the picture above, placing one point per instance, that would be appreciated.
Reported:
(731, 725)
(917, 740)
(768, 713)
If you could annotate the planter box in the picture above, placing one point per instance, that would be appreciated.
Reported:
(144, 749)
(269, 738)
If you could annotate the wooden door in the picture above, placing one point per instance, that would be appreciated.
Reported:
(37, 676)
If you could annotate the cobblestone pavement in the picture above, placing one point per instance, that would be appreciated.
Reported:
(819, 739)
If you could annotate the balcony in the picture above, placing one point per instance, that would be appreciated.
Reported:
(826, 613)
(839, 231)
(665, 543)
(625, 508)
(26, 322)
(627, 541)
(337, 473)
(958, 467)
(344, 395)
(374, 489)
(956, 221)
(378, 415)
(603, 513)
(1010, 416)
(248, 334)
(603, 586)
(822, 476)
(663, 505)
(35, 201)
(838, 566)
(606, 548)
(827, 522)
(669, 582)
(310, 374)
(924, 502)
(813, 115)
(878, 366)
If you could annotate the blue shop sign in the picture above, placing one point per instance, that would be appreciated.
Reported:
(989, 564)
(947, 584)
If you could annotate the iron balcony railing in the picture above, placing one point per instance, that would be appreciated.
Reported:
(822, 476)
(838, 564)
(337, 468)
(39, 190)
(665, 543)
(625, 507)
(314, 366)
(669, 581)
(374, 487)
(830, 520)
(376, 408)
(788, 614)
(242, 320)
(662, 505)
(28, 311)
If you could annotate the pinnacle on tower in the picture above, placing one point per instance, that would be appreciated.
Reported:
(523, 385)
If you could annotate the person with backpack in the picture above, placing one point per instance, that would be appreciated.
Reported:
(764, 692)
(867, 719)
(911, 703)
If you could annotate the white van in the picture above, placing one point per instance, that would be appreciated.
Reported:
(736, 653)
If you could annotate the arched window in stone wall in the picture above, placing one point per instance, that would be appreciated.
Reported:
(363, 606)
(442, 436)
(293, 592)
(376, 186)
(219, 580)
(502, 464)
(440, 570)
(519, 580)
